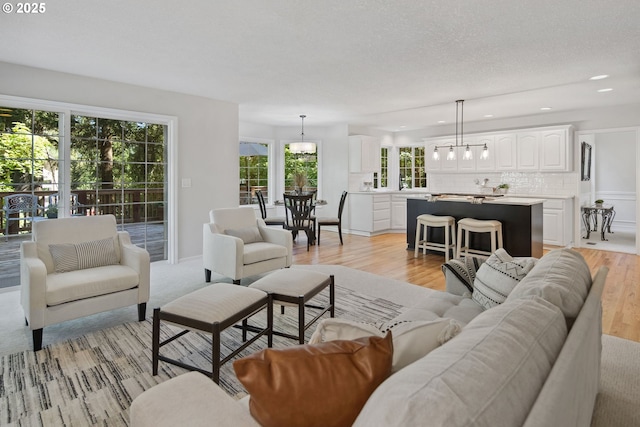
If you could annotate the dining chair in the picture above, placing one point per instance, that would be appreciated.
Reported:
(298, 210)
(273, 220)
(333, 220)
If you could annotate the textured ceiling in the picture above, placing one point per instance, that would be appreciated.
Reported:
(379, 63)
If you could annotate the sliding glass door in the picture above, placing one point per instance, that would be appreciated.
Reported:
(103, 166)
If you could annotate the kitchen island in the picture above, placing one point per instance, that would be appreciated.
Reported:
(521, 220)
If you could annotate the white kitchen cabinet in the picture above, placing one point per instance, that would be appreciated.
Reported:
(442, 164)
(488, 164)
(369, 213)
(431, 163)
(557, 217)
(399, 211)
(527, 149)
(467, 165)
(554, 151)
(505, 152)
(364, 154)
(445, 164)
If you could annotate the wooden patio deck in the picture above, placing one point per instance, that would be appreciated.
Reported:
(156, 238)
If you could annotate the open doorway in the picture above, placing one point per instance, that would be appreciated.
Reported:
(613, 182)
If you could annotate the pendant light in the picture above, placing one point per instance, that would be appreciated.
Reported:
(468, 153)
(302, 147)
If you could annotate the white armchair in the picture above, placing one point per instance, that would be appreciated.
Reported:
(237, 244)
(78, 266)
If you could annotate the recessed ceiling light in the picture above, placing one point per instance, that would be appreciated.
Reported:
(488, 116)
(402, 127)
(605, 90)
(545, 108)
(600, 77)
(441, 121)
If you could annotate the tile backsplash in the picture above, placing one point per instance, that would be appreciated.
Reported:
(521, 183)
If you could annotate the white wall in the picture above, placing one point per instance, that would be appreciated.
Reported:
(207, 136)
(615, 175)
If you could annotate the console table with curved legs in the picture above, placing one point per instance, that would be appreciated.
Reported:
(590, 218)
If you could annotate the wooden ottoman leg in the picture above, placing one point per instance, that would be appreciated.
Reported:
(270, 320)
(301, 323)
(155, 345)
(215, 352)
(332, 296)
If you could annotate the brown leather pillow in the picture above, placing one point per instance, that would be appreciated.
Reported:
(324, 384)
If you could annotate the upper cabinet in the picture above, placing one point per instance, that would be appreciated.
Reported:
(449, 165)
(467, 164)
(431, 163)
(505, 152)
(542, 149)
(364, 154)
(554, 150)
(487, 164)
(527, 147)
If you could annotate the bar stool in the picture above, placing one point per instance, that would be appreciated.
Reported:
(426, 221)
(472, 225)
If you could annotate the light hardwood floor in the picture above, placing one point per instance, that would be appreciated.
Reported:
(386, 255)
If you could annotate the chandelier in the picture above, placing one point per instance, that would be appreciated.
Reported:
(302, 147)
(451, 153)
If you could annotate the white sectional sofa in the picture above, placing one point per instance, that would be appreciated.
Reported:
(533, 360)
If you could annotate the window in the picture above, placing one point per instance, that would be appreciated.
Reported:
(29, 141)
(74, 164)
(412, 167)
(381, 180)
(254, 171)
(119, 167)
(300, 171)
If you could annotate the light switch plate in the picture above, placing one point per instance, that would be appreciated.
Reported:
(186, 182)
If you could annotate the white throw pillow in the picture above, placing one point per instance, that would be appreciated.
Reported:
(248, 235)
(411, 339)
(332, 329)
(497, 277)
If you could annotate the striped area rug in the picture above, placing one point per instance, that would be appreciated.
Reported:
(92, 380)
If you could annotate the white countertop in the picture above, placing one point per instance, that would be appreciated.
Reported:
(423, 193)
(376, 192)
(505, 200)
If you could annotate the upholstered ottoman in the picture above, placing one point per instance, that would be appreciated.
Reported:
(211, 310)
(296, 286)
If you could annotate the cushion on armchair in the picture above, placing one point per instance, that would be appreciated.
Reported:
(248, 235)
(324, 385)
(79, 256)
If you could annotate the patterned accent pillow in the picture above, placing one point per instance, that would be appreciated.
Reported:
(497, 277)
(80, 256)
(248, 235)
(461, 272)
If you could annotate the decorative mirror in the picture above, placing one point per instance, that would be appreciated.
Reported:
(586, 161)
